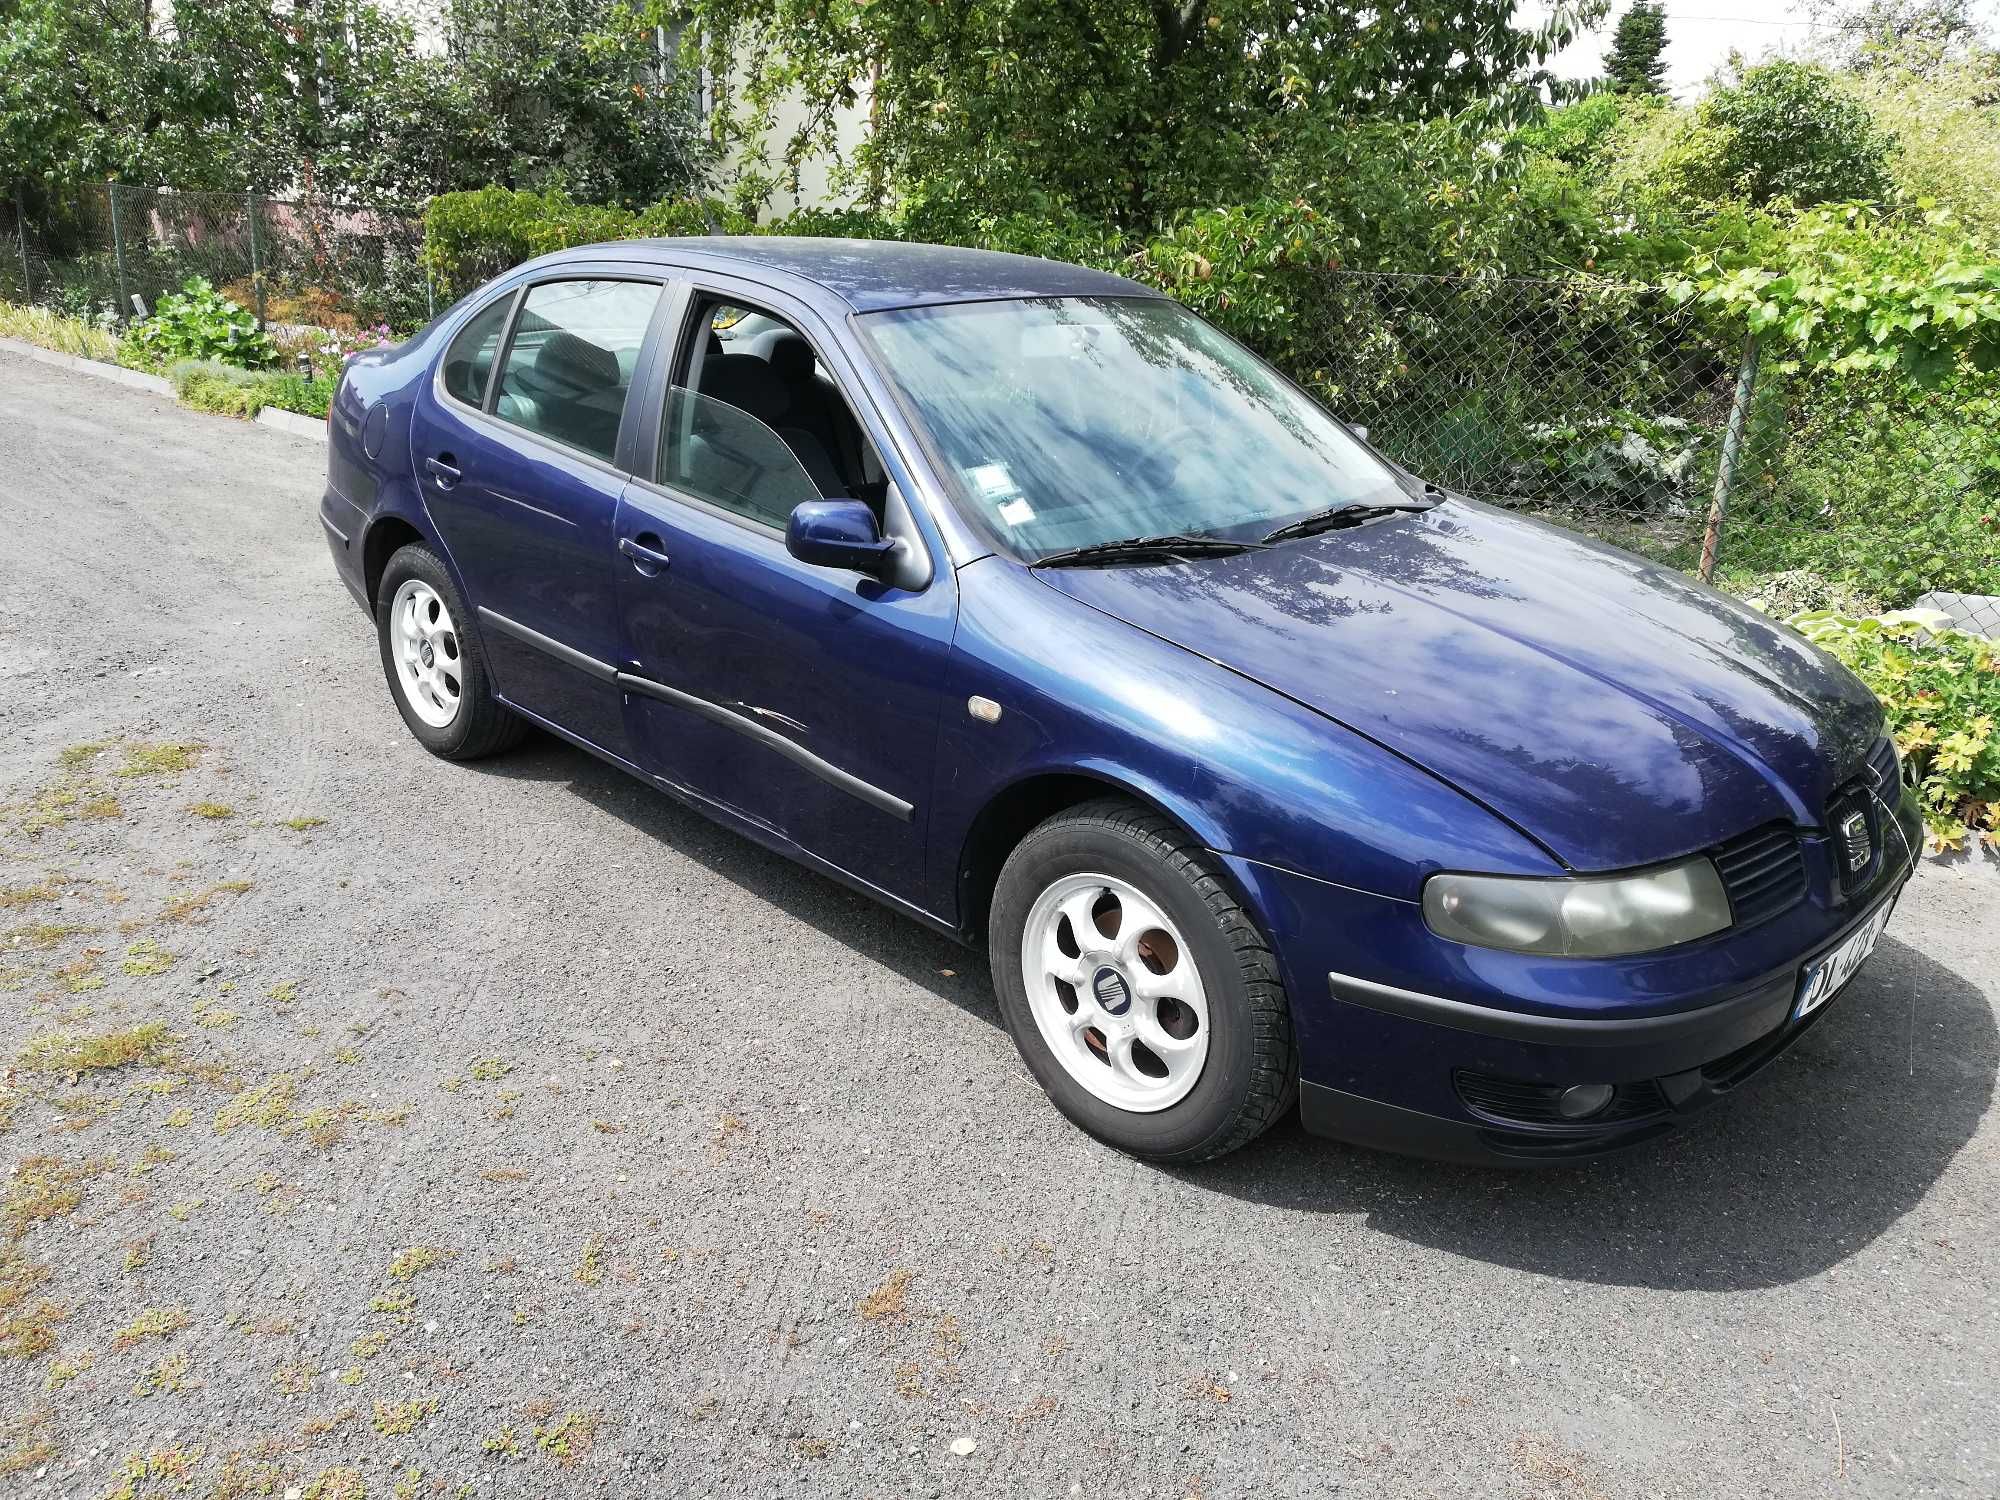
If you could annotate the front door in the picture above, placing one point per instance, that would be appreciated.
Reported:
(521, 478)
(804, 699)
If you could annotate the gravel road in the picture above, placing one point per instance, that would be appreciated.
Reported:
(514, 1131)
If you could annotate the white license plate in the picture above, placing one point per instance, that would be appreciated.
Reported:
(1824, 977)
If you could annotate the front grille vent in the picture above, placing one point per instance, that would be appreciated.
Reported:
(1763, 871)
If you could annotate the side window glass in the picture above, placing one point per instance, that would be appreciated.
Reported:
(469, 360)
(570, 362)
(726, 456)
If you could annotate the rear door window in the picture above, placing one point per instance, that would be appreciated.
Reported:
(570, 362)
(468, 364)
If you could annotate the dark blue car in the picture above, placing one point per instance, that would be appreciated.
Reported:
(1018, 597)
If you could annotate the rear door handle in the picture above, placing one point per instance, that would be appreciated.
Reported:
(446, 472)
(647, 559)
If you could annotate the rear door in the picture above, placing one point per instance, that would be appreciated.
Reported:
(520, 447)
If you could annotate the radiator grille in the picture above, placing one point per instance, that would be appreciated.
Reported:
(1763, 871)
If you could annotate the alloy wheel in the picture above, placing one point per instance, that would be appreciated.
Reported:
(1115, 992)
(429, 666)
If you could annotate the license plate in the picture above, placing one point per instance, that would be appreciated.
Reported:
(1823, 978)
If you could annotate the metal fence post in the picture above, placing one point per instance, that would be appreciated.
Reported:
(118, 253)
(256, 257)
(21, 227)
(1732, 447)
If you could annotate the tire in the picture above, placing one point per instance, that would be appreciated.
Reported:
(1245, 1077)
(461, 725)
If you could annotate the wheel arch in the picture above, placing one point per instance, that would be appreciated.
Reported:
(1016, 809)
(387, 535)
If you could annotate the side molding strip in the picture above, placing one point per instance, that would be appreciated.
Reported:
(796, 753)
(603, 671)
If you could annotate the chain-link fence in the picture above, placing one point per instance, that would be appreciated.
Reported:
(293, 260)
(1599, 404)
(1609, 407)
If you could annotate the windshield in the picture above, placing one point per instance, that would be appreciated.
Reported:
(1071, 421)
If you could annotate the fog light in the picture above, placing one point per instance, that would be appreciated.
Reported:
(1582, 1100)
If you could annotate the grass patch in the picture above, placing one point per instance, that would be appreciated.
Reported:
(13, 897)
(47, 329)
(168, 758)
(590, 1270)
(230, 391)
(886, 1303)
(416, 1260)
(490, 1070)
(567, 1438)
(302, 825)
(193, 909)
(43, 934)
(153, 1323)
(166, 1378)
(62, 1052)
(146, 958)
(400, 1418)
(215, 812)
(46, 1188)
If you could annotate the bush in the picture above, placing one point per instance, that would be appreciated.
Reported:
(231, 391)
(1941, 688)
(199, 323)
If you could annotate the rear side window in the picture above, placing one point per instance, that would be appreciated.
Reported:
(569, 364)
(469, 361)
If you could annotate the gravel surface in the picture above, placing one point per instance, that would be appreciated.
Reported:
(514, 1131)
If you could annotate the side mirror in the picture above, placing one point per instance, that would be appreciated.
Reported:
(837, 534)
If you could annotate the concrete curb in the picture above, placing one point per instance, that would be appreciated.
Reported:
(117, 374)
(291, 422)
(294, 423)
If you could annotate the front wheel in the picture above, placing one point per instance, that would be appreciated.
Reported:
(1138, 990)
(436, 672)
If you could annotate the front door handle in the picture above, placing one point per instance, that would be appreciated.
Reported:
(444, 470)
(644, 550)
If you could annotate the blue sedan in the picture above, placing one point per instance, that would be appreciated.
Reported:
(1014, 595)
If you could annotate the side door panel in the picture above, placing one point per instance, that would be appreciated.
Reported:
(804, 699)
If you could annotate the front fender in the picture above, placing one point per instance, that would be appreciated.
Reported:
(1248, 772)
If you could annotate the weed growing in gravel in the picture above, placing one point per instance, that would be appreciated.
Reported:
(13, 897)
(416, 1260)
(214, 812)
(168, 1377)
(567, 1438)
(153, 1323)
(295, 1379)
(71, 756)
(193, 909)
(336, 1484)
(284, 992)
(44, 1188)
(137, 1251)
(27, 1329)
(146, 958)
(164, 759)
(181, 1212)
(9, 1102)
(63, 1371)
(44, 934)
(79, 975)
(268, 1106)
(368, 1345)
(398, 1305)
(28, 1444)
(886, 1303)
(149, 1042)
(590, 1270)
(490, 1070)
(207, 1013)
(400, 1418)
(506, 1442)
(303, 825)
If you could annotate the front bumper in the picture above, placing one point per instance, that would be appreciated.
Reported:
(1461, 1061)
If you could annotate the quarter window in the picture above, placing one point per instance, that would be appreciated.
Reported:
(468, 363)
(570, 362)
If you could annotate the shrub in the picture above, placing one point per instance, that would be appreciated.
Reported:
(197, 322)
(228, 390)
(1941, 688)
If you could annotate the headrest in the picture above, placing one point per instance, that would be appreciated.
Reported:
(792, 357)
(746, 382)
(564, 356)
(714, 345)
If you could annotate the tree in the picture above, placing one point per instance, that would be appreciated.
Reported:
(1636, 63)
(1126, 111)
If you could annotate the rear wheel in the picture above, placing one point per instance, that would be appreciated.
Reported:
(436, 672)
(1138, 990)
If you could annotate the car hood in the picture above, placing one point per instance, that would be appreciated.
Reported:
(1615, 711)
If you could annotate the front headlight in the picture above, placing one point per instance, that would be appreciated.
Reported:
(1596, 916)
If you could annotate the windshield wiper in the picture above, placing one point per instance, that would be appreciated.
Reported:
(1336, 516)
(1174, 546)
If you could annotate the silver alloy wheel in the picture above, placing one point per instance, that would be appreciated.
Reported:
(1115, 992)
(424, 643)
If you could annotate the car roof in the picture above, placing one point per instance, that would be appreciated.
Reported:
(873, 275)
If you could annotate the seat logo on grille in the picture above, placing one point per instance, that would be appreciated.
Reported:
(1854, 835)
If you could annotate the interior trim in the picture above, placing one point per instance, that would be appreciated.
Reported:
(792, 751)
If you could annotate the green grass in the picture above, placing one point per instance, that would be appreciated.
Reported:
(52, 330)
(206, 385)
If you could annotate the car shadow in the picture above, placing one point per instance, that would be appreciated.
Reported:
(1807, 1164)
(914, 952)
